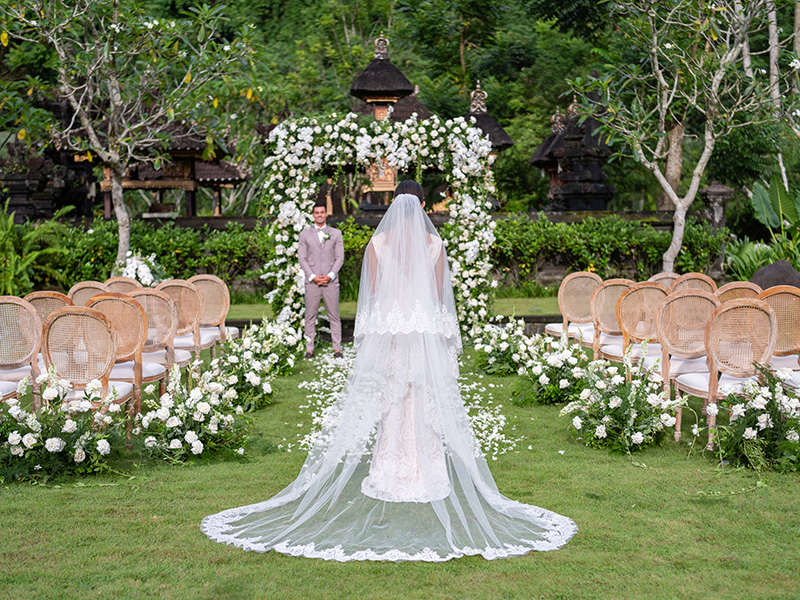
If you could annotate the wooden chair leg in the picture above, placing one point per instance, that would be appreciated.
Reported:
(678, 415)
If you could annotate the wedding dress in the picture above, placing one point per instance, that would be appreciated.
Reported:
(396, 472)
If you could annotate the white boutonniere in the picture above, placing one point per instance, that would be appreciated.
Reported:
(325, 236)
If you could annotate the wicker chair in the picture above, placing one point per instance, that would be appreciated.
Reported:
(681, 325)
(637, 309)
(129, 323)
(785, 301)
(604, 314)
(738, 289)
(189, 303)
(574, 300)
(162, 323)
(79, 343)
(665, 277)
(122, 284)
(216, 302)
(82, 291)
(20, 339)
(741, 332)
(696, 281)
(46, 302)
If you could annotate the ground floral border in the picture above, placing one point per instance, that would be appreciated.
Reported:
(301, 149)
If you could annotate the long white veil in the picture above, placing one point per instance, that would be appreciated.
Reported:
(396, 472)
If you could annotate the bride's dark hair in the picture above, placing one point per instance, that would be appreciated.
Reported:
(409, 186)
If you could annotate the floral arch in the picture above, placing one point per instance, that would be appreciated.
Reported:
(303, 148)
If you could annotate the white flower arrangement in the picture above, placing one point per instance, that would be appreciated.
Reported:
(182, 423)
(553, 373)
(73, 437)
(250, 363)
(502, 348)
(300, 149)
(623, 410)
(144, 269)
(763, 429)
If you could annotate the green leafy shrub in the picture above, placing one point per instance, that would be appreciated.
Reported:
(355, 238)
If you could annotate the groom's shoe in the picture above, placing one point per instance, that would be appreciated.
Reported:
(337, 354)
(309, 355)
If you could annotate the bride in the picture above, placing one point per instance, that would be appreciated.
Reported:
(396, 472)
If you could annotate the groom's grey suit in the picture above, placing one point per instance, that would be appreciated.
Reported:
(322, 258)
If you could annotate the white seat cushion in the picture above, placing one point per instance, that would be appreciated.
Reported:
(614, 351)
(699, 381)
(123, 389)
(573, 329)
(182, 357)
(7, 388)
(784, 362)
(208, 335)
(124, 371)
(17, 374)
(678, 366)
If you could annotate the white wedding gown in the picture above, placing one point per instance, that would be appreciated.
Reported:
(396, 472)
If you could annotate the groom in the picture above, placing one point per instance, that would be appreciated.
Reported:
(321, 255)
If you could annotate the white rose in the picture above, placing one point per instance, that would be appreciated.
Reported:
(749, 434)
(150, 442)
(544, 379)
(197, 447)
(162, 413)
(79, 456)
(17, 451)
(14, 438)
(190, 437)
(54, 444)
(637, 438)
(712, 410)
(577, 423)
(173, 422)
(600, 432)
(175, 444)
(103, 447)
(70, 426)
(204, 407)
(792, 436)
(564, 383)
(50, 394)
(29, 440)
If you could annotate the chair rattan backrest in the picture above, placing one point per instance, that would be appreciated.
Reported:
(738, 289)
(604, 305)
(128, 321)
(122, 284)
(575, 296)
(216, 299)
(682, 320)
(79, 342)
(82, 291)
(665, 277)
(637, 309)
(697, 281)
(162, 317)
(741, 332)
(785, 301)
(20, 332)
(188, 301)
(46, 302)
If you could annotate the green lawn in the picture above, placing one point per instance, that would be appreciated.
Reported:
(503, 306)
(670, 526)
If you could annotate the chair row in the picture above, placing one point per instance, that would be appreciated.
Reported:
(695, 333)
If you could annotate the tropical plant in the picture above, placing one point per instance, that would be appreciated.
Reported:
(24, 250)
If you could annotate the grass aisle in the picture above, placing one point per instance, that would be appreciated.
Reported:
(675, 529)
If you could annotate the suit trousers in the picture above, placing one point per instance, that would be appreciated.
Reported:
(329, 295)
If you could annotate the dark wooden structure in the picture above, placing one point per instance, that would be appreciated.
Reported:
(572, 156)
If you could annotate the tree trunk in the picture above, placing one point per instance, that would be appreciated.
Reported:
(121, 212)
(674, 167)
(679, 225)
(796, 41)
(746, 60)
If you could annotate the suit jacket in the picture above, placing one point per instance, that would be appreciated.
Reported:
(320, 259)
